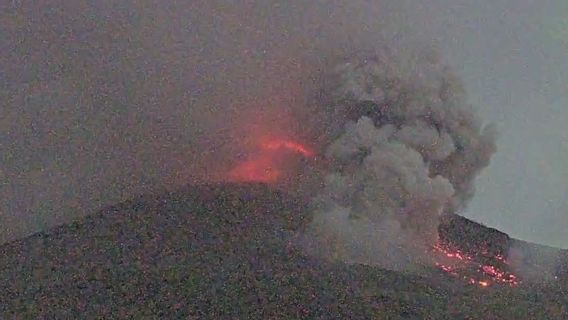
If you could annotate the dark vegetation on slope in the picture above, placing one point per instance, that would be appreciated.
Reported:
(224, 252)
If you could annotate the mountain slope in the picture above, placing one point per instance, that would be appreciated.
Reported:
(223, 251)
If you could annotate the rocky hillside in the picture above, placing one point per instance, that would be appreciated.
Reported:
(224, 252)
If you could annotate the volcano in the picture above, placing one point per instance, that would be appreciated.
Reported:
(226, 251)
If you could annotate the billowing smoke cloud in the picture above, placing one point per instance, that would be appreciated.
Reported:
(409, 152)
(105, 100)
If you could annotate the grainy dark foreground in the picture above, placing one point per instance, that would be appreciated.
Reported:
(222, 252)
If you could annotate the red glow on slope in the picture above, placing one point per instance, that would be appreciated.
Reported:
(485, 274)
(266, 165)
(257, 170)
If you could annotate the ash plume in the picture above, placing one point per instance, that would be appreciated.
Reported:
(104, 111)
(408, 151)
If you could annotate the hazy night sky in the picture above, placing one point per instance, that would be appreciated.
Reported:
(102, 101)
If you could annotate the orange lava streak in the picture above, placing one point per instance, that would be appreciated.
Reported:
(494, 274)
(265, 165)
(288, 145)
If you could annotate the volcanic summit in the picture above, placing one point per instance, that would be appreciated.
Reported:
(228, 251)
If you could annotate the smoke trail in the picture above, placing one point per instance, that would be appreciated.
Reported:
(409, 152)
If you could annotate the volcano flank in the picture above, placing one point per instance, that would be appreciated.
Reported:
(228, 251)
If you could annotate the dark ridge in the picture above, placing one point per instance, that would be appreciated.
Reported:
(472, 237)
(226, 252)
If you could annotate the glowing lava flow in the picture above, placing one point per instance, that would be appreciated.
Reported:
(288, 145)
(464, 263)
(266, 166)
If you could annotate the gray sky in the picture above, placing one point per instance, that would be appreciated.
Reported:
(105, 100)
